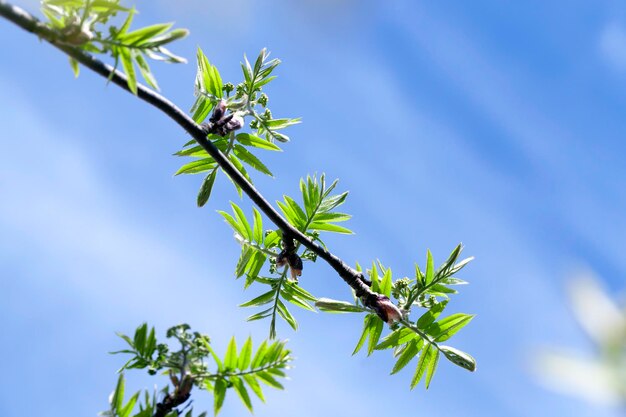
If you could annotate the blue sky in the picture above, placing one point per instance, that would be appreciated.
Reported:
(495, 124)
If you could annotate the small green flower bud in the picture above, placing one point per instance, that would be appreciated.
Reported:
(228, 88)
(263, 100)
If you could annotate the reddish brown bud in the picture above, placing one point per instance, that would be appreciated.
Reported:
(218, 111)
(174, 379)
(235, 123)
(185, 386)
(295, 263)
(386, 310)
(281, 259)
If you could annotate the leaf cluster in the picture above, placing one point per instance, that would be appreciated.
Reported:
(79, 23)
(261, 248)
(195, 363)
(413, 338)
(248, 102)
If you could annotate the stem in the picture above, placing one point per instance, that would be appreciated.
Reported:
(283, 276)
(242, 373)
(31, 24)
(420, 333)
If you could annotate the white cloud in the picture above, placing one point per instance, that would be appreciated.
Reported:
(613, 45)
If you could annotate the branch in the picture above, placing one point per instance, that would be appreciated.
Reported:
(353, 278)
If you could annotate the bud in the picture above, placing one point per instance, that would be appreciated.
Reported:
(228, 88)
(174, 379)
(218, 111)
(281, 259)
(235, 123)
(386, 310)
(185, 386)
(263, 100)
(295, 263)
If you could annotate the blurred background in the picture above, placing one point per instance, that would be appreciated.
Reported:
(497, 124)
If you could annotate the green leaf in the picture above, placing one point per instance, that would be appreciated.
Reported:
(374, 278)
(245, 356)
(296, 210)
(385, 285)
(219, 393)
(291, 216)
(201, 109)
(268, 379)
(445, 267)
(335, 306)
(430, 267)
(329, 227)
(460, 265)
(412, 349)
(242, 263)
(126, 25)
(447, 327)
(247, 157)
(237, 163)
(117, 400)
(331, 217)
(207, 186)
(242, 392)
(259, 356)
(299, 291)
(277, 124)
(288, 294)
(396, 338)
(422, 364)
(197, 166)
(367, 323)
(459, 358)
(261, 315)
(431, 315)
(241, 220)
(167, 38)
(375, 331)
(208, 78)
(139, 36)
(453, 281)
(232, 222)
(261, 299)
(230, 360)
(255, 141)
(258, 227)
(128, 408)
(144, 68)
(129, 69)
(254, 386)
(75, 67)
(286, 315)
(432, 366)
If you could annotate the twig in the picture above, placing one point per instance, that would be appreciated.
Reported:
(26, 21)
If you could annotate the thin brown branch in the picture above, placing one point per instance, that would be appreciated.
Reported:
(26, 21)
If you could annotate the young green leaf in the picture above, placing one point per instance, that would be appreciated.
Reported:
(412, 349)
(447, 327)
(256, 142)
(219, 393)
(459, 358)
(335, 306)
(422, 364)
(242, 392)
(375, 331)
(207, 186)
(431, 366)
(430, 267)
(245, 356)
(129, 69)
(230, 360)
